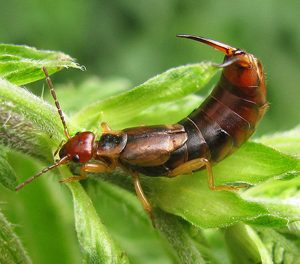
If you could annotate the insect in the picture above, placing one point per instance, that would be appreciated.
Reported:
(221, 124)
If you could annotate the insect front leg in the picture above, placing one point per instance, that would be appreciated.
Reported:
(90, 167)
(196, 164)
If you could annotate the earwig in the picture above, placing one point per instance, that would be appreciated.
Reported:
(220, 125)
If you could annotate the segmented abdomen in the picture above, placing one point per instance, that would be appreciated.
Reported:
(225, 120)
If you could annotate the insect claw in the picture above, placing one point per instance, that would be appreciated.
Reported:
(228, 50)
(226, 63)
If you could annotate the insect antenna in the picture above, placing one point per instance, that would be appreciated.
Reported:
(56, 164)
(228, 50)
(52, 91)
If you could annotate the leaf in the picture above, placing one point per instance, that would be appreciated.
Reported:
(27, 123)
(175, 109)
(287, 142)
(246, 246)
(7, 174)
(215, 245)
(253, 163)
(96, 244)
(280, 197)
(294, 228)
(137, 237)
(90, 90)
(188, 196)
(166, 87)
(177, 236)
(44, 201)
(23, 64)
(280, 248)
(111, 202)
(11, 248)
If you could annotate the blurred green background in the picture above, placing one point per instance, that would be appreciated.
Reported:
(136, 40)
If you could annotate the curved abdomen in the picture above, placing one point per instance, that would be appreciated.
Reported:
(226, 119)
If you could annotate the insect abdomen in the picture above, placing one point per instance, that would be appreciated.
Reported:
(226, 119)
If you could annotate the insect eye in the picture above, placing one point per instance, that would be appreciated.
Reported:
(75, 158)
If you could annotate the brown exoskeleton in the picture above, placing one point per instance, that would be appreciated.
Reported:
(225, 120)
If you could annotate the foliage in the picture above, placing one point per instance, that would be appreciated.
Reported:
(111, 226)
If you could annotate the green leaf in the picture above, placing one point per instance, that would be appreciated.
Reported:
(75, 97)
(253, 163)
(175, 109)
(188, 196)
(27, 123)
(218, 249)
(171, 85)
(287, 142)
(96, 244)
(246, 246)
(23, 64)
(113, 203)
(177, 232)
(137, 237)
(11, 248)
(7, 174)
(281, 197)
(294, 228)
(44, 201)
(177, 236)
(280, 247)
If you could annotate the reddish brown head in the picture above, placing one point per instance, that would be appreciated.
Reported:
(241, 69)
(79, 148)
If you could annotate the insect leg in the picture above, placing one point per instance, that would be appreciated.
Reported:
(73, 178)
(211, 180)
(196, 164)
(105, 128)
(187, 167)
(89, 167)
(141, 196)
